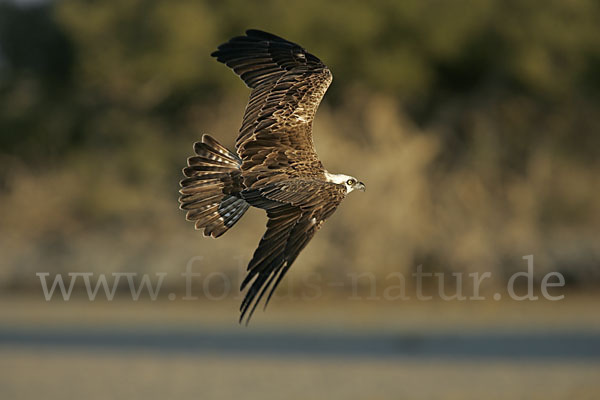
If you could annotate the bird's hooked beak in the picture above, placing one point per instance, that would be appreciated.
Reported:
(361, 186)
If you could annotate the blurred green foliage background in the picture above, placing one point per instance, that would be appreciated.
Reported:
(474, 124)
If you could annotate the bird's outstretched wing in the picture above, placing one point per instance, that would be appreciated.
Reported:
(296, 210)
(288, 83)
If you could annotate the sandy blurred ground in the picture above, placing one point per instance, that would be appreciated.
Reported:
(32, 371)
(28, 374)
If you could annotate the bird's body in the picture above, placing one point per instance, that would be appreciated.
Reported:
(275, 166)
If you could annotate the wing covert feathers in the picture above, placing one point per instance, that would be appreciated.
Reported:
(288, 84)
(296, 210)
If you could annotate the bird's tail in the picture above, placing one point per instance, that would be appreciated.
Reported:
(210, 191)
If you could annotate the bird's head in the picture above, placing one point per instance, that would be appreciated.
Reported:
(350, 182)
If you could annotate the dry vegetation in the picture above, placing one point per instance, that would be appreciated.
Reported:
(474, 128)
(92, 214)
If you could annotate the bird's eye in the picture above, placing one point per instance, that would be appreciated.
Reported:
(350, 182)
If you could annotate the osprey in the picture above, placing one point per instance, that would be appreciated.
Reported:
(275, 166)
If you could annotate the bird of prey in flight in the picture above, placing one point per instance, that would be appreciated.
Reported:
(275, 166)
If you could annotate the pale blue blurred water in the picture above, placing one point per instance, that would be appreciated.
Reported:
(289, 343)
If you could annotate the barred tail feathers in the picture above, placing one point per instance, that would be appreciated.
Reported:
(210, 191)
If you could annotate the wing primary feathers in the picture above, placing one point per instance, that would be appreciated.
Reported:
(280, 276)
(253, 294)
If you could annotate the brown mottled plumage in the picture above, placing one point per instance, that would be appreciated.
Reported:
(276, 167)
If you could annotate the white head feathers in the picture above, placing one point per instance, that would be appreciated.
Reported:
(350, 182)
